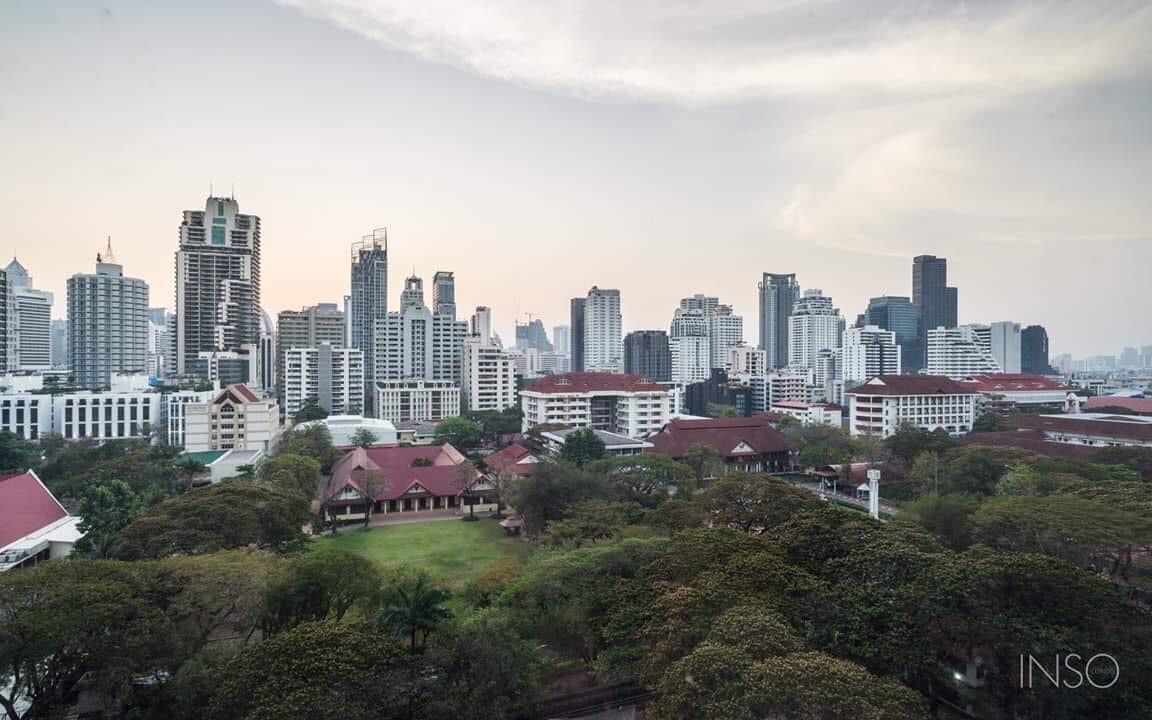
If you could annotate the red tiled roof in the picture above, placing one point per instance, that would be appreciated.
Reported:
(1136, 405)
(721, 434)
(1005, 382)
(239, 391)
(1119, 427)
(802, 405)
(590, 382)
(25, 507)
(509, 458)
(911, 385)
(1030, 440)
(441, 478)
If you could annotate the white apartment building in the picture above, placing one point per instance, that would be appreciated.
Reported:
(725, 331)
(960, 351)
(631, 405)
(867, 352)
(603, 333)
(562, 339)
(747, 360)
(879, 406)
(235, 418)
(30, 328)
(416, 400)
(416, 343)
(814, 325)
(107, 416)
(107, 323)
(174, 404)
(331, 377)
(1004, 345)
(487, 378)
(691, 358)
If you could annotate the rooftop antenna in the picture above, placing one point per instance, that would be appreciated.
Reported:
(108, 256)
(233, 195)
(209, 188)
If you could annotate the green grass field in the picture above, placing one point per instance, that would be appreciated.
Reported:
(452, 551)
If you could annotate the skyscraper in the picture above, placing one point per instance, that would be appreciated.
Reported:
(646, 352)
(778, 294)
(532, 336)
(934, 300)
(107, 323)
(562, 339)
(1034, 350)
(603, 334)
(308, 328)
(368, 300)
(59, 343)
(1005, 345)
(444, 294)
(577, 316)
(31, 314)
(960, 351)
(416, 343)
(217, 281)
(481, 325)
(413, 292)
(867, 352)
(814, 325)
(7, 326)
(898, 314)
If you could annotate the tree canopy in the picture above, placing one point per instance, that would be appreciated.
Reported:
(460, 432)
(582, 446)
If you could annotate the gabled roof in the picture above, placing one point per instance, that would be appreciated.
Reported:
(394, 464)
(514, 458)
(236, 393)
(1030, 440)
(1136, 405)
(1118, 427)
(26, 506)
(1014, 382)
(590, 382)
(726, 436)
(911, 385)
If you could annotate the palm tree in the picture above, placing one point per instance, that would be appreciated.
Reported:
(413, 607)
(189, 468)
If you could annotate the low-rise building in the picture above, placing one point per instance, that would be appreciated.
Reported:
(342, 428)
(1093, 429)
(630, 405)
(107, 416)
(1001, 392)
(884, 403)
(34, 526)
(1139, 406)
(615, 444)
(809, 413)
(745, 444)
(408, 400)
(224, 464)
(235, 418)
(174, 405)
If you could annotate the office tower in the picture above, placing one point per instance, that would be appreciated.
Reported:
(934, 300)
(562, 339)
(867, 352)
(646, 352)
(444, 294)
(481, 324)
(1005, 346)
(31, 315)
(532, 337)
(368, 300)
(577, 318)
(217, 281)
(266, 357)
(487, 376)
(603, 347)
(107, 323)
(327, 376)
(413, 292)
(898, 314)
(308, 327)
(59, 343)
(814, 325)
(778, 295)
(691, 358)
(960, 351)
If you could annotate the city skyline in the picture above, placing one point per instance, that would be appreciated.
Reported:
(595, 164)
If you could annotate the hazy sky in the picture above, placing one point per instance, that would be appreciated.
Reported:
(663, 147)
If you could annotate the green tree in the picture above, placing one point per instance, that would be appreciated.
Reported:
(245, 472)
(372, 483)
(319, 585)
(705, 462)
(294, 473)
(550, 491)
(189, 469)
(989, 422)
(309, 413)
(412, 607)
(645, 478)
(587, 521)
(314, 442)
(909, 441)
(924, 474)
(948, 517)
(16, 454)
(459, 432)
(754, 503)
(105, 509)
(582, 447)
(364, 438)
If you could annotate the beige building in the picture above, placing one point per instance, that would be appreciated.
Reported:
(235, 418)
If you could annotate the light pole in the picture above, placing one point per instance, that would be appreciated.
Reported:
(874, 494)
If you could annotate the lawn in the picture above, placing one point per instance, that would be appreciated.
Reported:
(453, 551)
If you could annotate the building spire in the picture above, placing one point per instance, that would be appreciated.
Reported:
(108, 256)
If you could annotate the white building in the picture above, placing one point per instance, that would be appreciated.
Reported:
(488, 377)
(235, 418)
(562, 339)
(343, 428)
(174, 404)
(26, 414)
(1005, 345)
(480, 325)
(1093, 429)
(884, 403)
(747, 360)
(809, 413)
(691, 358)
(107, 323)
(867, 352)
(31, 320)
(107, 415)
(331, 377)
(725, 331)
(1007, 391)
(960, 351)
(631, 405)
(416, 400)
(814, 325)
(603, 333)
(416, 343)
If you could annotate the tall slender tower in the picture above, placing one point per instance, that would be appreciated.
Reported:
(368, 301)
(603, 338)
(32, 312)
(778, 293)
(577, 317)
(444, 294)
(935, 301)
(107, 323)
(217, 281)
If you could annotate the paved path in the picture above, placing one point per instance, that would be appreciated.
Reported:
(814, 487)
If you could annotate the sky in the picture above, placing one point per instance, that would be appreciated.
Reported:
(539, 147)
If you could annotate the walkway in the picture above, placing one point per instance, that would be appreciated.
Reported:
(814, 487)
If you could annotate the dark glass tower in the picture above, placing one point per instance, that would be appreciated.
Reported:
(646, 352)
(778, 293)
(898, 314)
(1034, 350)
(578, 334)
(935, 301)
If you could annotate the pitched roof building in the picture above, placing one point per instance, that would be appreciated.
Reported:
(631, 405)
(235, 418)
(1094, 429)
(747, 444)
(34, 526)
(933, 402)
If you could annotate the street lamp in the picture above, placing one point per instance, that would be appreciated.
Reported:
(874, 494)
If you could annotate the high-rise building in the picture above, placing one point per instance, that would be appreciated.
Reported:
(59, 343)
(367, 302)
(413, 292)
(7, 325)
(1145, 356)
(532, 336)
(725, 331)
(415, 343)
(778, 295)
(1129, 359)
(331, 377)
(745, 360)
(308, 327)
(898, 314)
(934, 300)
(562, 339)
(487, 376)
(814, 325)
(603, 346)
(217, 281)
(481, 324)
(646, 352)
(1005, 346)
(444, 294)
(960, 352)
(31, 314)
(577, 318)
(867, 352)
(688, 323)
(691, 358)
(107, 323)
